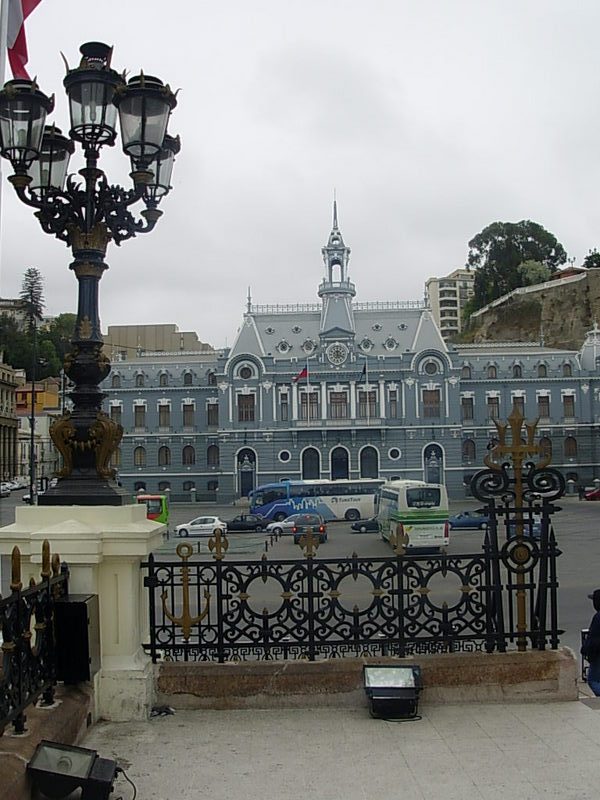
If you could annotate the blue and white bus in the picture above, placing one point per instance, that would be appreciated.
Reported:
(340, 499)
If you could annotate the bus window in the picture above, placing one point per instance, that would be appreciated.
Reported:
(427, 497)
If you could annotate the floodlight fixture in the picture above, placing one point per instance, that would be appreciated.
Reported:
(57, 769)
(393, 690)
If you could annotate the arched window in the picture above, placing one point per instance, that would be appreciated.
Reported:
(187, 378)
(164, 456)
(517, 371)
(188, 455)
(545, 447)
(164, 485)
(465, 372)
(567, 371)
(139, 380)
(188, 486)
(369, 463)
(468, 450)
(340, 468)
(570, 447)
(139, 486)
(212, 379)
(542, 371)
(310, 464)
(139, 457)
(163, 379)
(492, 372)
(116, 382)
(212, 455)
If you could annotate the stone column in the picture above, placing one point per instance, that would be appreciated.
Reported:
(103, 547)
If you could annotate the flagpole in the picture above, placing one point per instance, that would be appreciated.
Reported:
(367, 389)
(3, 54)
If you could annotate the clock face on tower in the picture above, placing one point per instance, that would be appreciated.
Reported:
(337, 353)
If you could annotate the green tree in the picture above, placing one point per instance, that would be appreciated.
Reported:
(532, 272)
(32, 294)
(497, 252)
(592, 260)
(60, 332)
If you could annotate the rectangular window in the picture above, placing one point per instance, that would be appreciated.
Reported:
(543, 406)
(569, 405)
(164, 416)
(519, 404)
(139, 416)
(115, 414)
(188, 415)
(212, 414)
(284, 407)
(366, 405)
(309, 405)
(393, 410)
(493, 407)
(338, 403)
(245, 408)
(466, 408)
(431, 403)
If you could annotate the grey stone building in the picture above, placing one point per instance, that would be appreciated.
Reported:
(340, 389)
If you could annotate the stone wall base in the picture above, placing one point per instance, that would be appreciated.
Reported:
(125, 694)
(448, 678)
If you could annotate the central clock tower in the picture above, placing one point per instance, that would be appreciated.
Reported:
(336, 291)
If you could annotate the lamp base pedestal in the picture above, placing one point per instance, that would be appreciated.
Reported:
(82, 490)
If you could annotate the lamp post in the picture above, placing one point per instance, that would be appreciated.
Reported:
(87, 213)
(32, 460)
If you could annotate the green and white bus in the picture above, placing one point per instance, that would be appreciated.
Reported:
(414, 508)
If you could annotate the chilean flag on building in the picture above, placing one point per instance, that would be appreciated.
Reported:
(302, 374)
(18, 11)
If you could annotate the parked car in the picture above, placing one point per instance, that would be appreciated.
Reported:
(247, 522)
(201, 526)
(315, 522)
(468, 519)
(4, 489)
(592, 494)
(284, 525)
(365, 525)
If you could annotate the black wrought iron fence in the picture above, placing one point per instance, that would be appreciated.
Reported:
(315, 608)
(321, 608)
(28, 667)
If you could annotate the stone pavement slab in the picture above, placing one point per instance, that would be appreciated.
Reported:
(467, 752)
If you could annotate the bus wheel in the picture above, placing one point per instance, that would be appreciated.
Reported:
(183, 532)
(279, 517)
(352, 515)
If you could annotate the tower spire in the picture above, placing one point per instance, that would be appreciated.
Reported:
(335, 219)
(249, 302)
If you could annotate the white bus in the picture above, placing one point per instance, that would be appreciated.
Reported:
(417, 509)
(340, 499)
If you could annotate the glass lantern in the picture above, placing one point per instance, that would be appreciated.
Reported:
(49, 171)
(144, 107)
(162, 168)
(23, 111)
(91, 88)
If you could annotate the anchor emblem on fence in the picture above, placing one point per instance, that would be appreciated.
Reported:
(185, 621)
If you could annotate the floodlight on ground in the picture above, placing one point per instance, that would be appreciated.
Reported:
(57, 769)
(392, 690)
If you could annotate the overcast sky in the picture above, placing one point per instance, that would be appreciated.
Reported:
(431, 120)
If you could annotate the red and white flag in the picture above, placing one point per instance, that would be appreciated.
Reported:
(302, 374)
(18, 11)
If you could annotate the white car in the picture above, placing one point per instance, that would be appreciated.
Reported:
(4, 489)
(201, 526)
(284, 525)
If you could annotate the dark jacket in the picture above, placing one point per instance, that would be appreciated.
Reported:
(590, 649)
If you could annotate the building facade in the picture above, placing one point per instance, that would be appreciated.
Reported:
(447, 297)
(341, 389)
(8, 422)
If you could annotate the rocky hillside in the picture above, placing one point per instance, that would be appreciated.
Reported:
(562, 311)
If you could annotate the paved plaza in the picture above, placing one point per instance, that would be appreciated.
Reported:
(459, 752)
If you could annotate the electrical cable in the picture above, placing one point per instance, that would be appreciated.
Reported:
(128, 779)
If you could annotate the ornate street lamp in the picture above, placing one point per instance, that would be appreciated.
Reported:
(87, 213)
